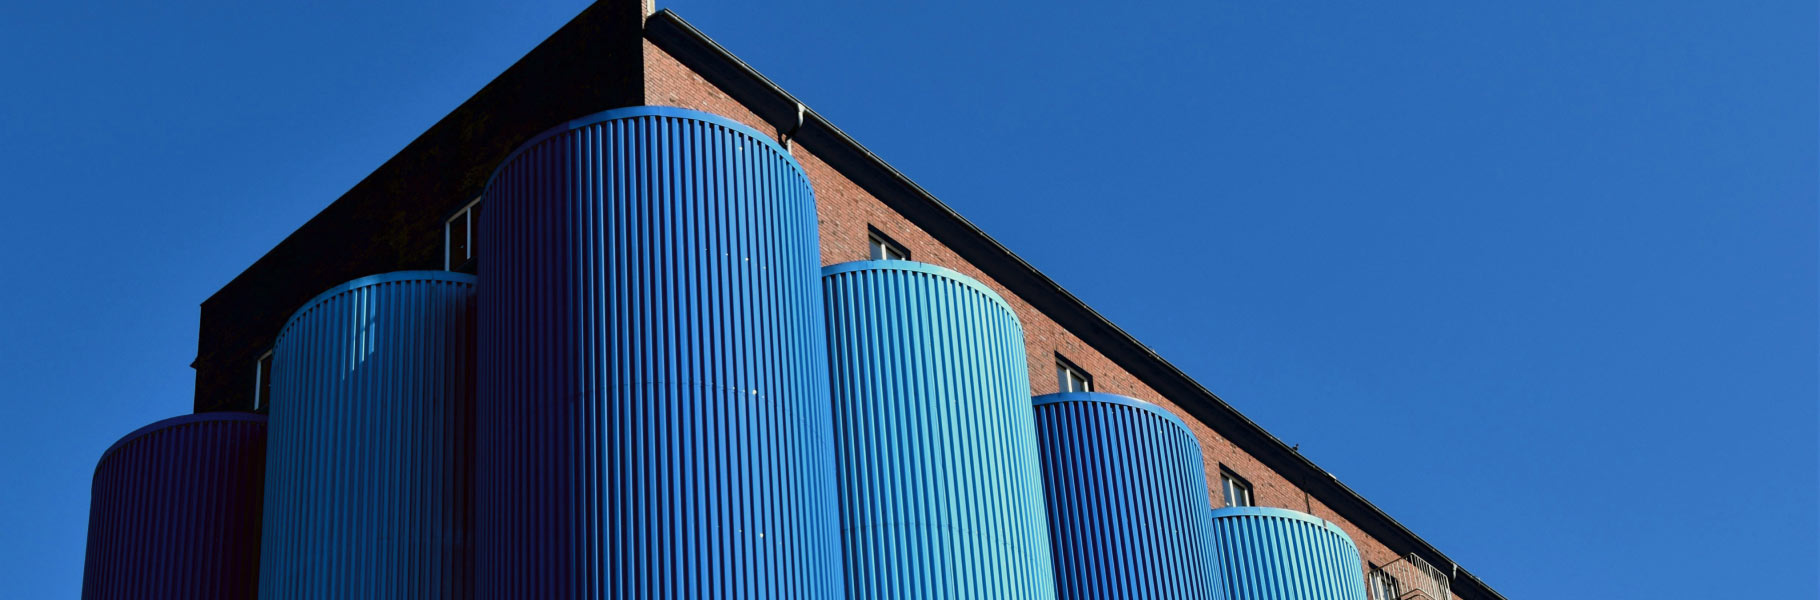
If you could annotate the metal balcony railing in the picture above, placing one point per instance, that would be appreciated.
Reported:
(1408, 578)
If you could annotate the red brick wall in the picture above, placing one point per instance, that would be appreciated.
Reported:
(845, 211)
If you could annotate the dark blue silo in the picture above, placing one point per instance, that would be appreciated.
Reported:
(653, 367)
(1274, 553)
(174, 512)
(1127, 494)
(369, 465)
(940, 483)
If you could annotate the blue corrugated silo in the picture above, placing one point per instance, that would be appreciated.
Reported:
(1279, 554)
(1127, 494)
(174, 511)
(653, 367)
(940, 483)
(368, 475)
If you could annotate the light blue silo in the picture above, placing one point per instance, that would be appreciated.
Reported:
(368, 489)
(1279, 554)
(653, 367)
(940, 483)
(1127, 494)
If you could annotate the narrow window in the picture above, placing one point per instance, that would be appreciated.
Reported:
(1070, 378)
(1234, 489)
(262, 382)
(458, 239)
(882, 248)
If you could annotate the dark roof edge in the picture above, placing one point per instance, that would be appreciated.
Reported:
(588, 16)
(669, 31)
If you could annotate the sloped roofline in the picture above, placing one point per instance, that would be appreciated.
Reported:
(770, 102)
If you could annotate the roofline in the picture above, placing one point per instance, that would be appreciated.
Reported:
(394, 217)
(770, 102)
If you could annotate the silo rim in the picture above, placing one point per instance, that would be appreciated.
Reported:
(360, 282)
(177, 421)
(918, 267)
(1105, 398)
(649, 110)
(1265, 511)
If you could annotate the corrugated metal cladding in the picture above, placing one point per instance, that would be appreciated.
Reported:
(941, 488)
(175, 511)
(653, 368)
(1272, 553)
(368, 478)
(1127, 496)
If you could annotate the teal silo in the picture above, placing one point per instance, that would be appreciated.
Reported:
(1127, 494)
(1280, 554)
(940, 483)
(368, 471)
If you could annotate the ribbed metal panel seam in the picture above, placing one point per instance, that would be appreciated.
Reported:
(369, 469)
(941, 489)
(1127, 499)
(174, 511)
(1274, 553)
(653, 367)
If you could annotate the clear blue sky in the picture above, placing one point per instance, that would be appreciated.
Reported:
(1538, 278)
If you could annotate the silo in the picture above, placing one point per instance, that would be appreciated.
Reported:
(1273, 553)
(940, 483)
(368, 471)
(1127, 495)
(174, 512)
(653, 367)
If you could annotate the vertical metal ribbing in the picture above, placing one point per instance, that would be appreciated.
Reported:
(174, 511)
(653, 367)
(940, 484)
(1272, 553)
(1127, 499)
(369, 468)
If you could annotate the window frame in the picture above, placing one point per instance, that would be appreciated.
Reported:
(1230, 480)
(1066, 372)
(467, 212)
(262, 381)
(884, 246)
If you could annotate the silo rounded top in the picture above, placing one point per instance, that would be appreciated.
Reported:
(1105, 398)
(1271, 553)
(372, 280)
(918, 267)
(180, 421)
(633, 112)
(1281, 513)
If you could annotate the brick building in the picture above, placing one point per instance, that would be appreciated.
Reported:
(416, 212)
